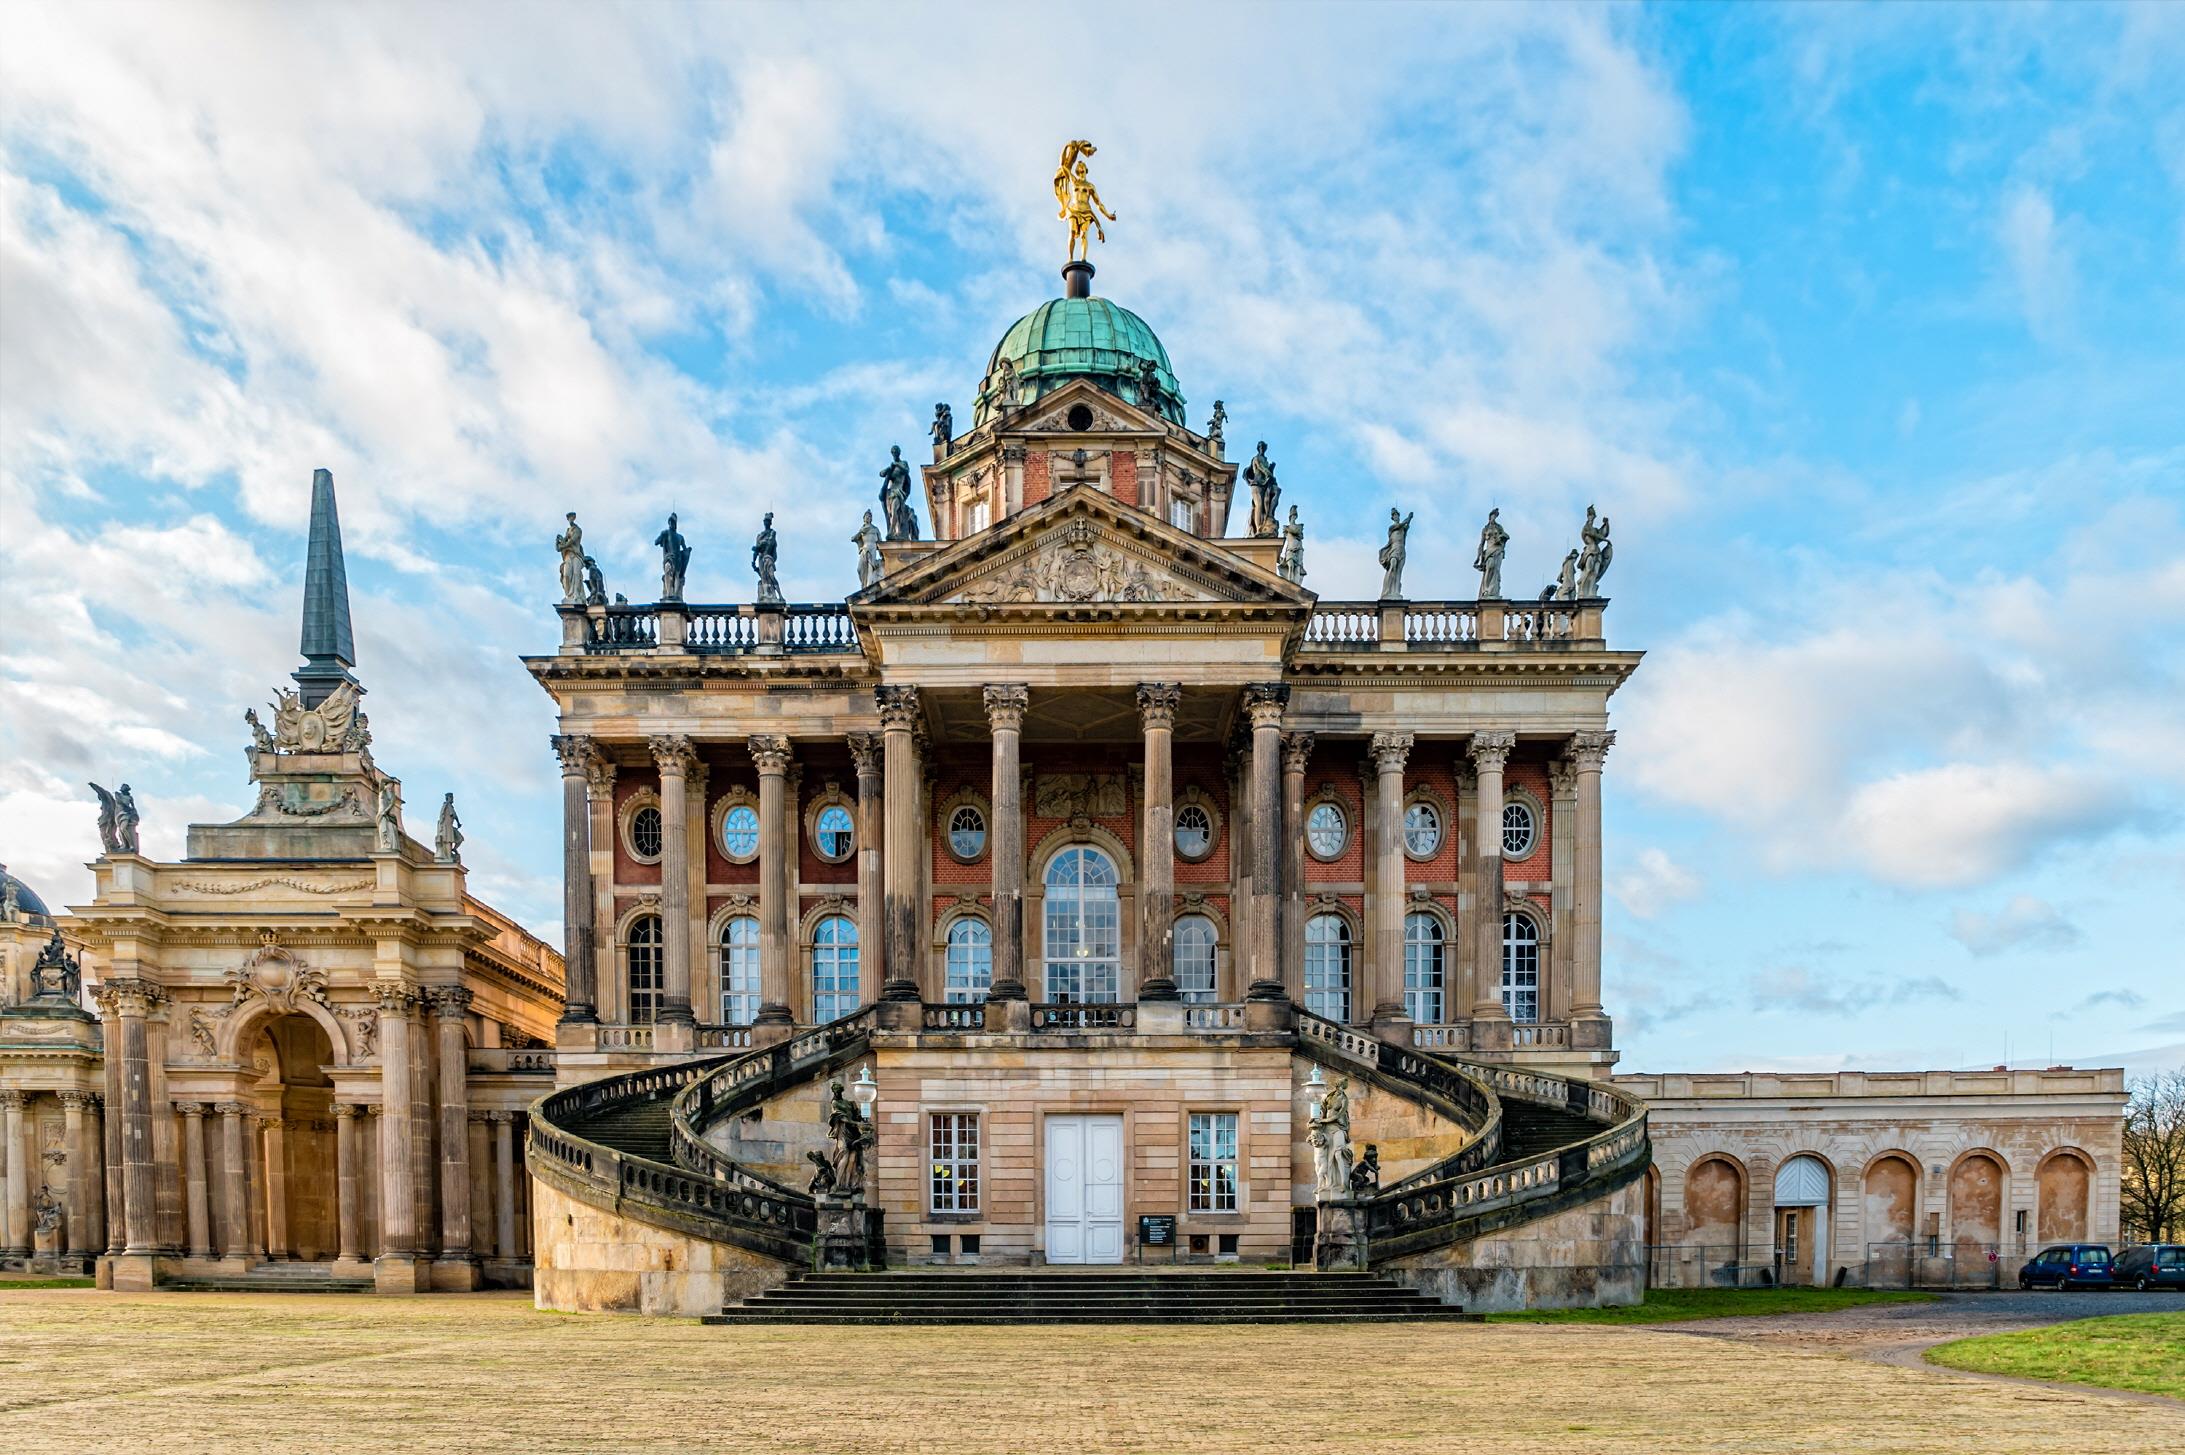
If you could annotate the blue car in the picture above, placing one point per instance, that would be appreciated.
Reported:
(2069, 1265)
(2150, 1265)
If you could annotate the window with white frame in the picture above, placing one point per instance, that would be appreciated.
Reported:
(739, 970)
(834, 833)
(967, 832)
(1519, 832)
(955, 1146)
(970, 961)
(834, 968)
(1194, 959)
(1327, 967)
(645, 834)
(1520, 967)
(1213, 1170)
(1422, 829)
(1423, 969)
(646, 968)
(1194, 831)
(978, 515)
(1182, 514)
(1327, 829)
(740, 833)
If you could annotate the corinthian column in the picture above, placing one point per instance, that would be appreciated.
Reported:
(1389, 751)
(1005, 707)
(1490, 751)
(195, 1214)
(1157, 704)
(397, 1186)
(1297, 752)
(348, 1230)
(871, 917)
(17, 1219)
(676, 759)
(1589, 1021)
(579, 973)
(504, 1183)
(234, 1186)
(1263, 705)
(771, 757)
(900, 712)
(76, 1107)
(139, 1173)
(450, 1003)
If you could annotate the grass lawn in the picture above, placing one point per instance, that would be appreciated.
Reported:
(45, 1283)
(1678, 1305)
(2144, 1352)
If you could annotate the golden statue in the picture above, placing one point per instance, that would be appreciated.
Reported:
(1079, 198)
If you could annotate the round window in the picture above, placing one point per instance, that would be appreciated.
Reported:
(1326, 830)
(645, 832)
(1518, 831)
(1194, 831)
(1422, 830)
(833, 833)
(967, 832)
(1080, 417)
(740, 832)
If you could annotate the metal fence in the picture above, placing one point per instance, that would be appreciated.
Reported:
(1934, 1264)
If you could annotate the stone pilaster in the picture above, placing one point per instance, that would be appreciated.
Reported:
(1297, 752)
(771, 756)
(504, 1182)
(676, 759)
(1589, 1022)
(349, 1223)
(395, 1270)
(133, 1000)
(1006, 704)
(110, 1121)
(455, 1268)
(865, 755)
(1490, 752)
(234, 1186)
(278, 1242)
(78, 1108)
(1263, 705)
(1390, 1019)
(196, 1215)
(901, 712)
(580, 973)
(1157, 705)
(17, 1219)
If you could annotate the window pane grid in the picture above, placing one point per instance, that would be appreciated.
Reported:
(955, 1169)
(1212, 1176)
(1194, 959)
(1423, 969)
(834, 968)
(970, 962)
(1083, 927)
(738, 955)
(740, 831)
(1520, 968)
(1517, 830)
(646, 969)
(1327, 967)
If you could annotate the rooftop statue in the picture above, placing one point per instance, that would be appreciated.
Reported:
(1214, 425)
(674, 560)
(260, 740)
(447, 838)
(1392, 556)
(1002, 387)
(1149, 383)
(1593, 560)
(1266, 493)
(895, 497)
(1079, 198)
(1290, 561)
(1566, 581)
(763, 551)
(117, 820)
(867, 541)
(944, 430)
(389, 813)
(66, 970)
(571, 545)
(595, 585)
(1493, 541)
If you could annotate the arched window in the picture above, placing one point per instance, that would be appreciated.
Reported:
(738, 968)
(1194, 959)
(1084, 926)
(645, 968)
(970, 961)
(1423, 968)
(1520, 967)
(834, 968)
(1327, 967)
(1194, 831)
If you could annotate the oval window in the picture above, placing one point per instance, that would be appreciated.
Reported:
(967, 832)
(1194, 831)
(1518, 831)
(740, 832)
(1326, 830)
(833, 833)
(1422, 830)
(645, 833)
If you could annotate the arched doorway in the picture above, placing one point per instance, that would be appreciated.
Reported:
(1801, 1220)
(292, 1174)
(2063, 1184)
(1976, 1217)
(1888, 1212)
(1714, 1220)
(1082, 922)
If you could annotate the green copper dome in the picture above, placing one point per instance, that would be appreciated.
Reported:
(1082, 338)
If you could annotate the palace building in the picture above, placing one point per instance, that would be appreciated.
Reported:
(1083, 889)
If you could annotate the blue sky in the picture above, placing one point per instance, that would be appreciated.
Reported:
(1866, 326)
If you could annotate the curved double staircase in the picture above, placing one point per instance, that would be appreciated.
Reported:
(636, 1146)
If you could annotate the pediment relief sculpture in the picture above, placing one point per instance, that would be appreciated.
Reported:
(278, 975)
(1075, 565)
(1079, 795)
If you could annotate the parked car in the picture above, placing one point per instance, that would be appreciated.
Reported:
(2150, 1265)
(2068, 1265)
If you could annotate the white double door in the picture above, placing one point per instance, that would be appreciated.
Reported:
(1085, 1189)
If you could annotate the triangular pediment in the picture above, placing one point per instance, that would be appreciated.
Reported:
(1079, 548)
(1109, 413)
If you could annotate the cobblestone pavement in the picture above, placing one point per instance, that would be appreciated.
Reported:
(243, 1374)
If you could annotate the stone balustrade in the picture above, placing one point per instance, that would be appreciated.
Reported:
(1452, 626)
(739, 628)
(496, 1060)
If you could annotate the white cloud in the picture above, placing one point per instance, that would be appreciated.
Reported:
(2041, 265)
(1653, 883)
(2025, 922)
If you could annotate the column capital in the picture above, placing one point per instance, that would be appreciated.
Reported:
(190, 1108)
(769, 754)
(865, 752)
(1389, 751)
(14, 1100)
(78, 1100)
(1587, 750)
(449, 1002)
(499, 1118)
(346, 1110)
(128, 995)
(228, 1108)
(1157, 704)
(578, 754)
(1264, 703)
(478, 1117)
(900, 707)
(672, 752)
(395, 999)
(1489, 751)
(1297, 751)
(1006, 703)
(1562, 777)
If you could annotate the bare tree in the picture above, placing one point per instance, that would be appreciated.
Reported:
(2154, 1159)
